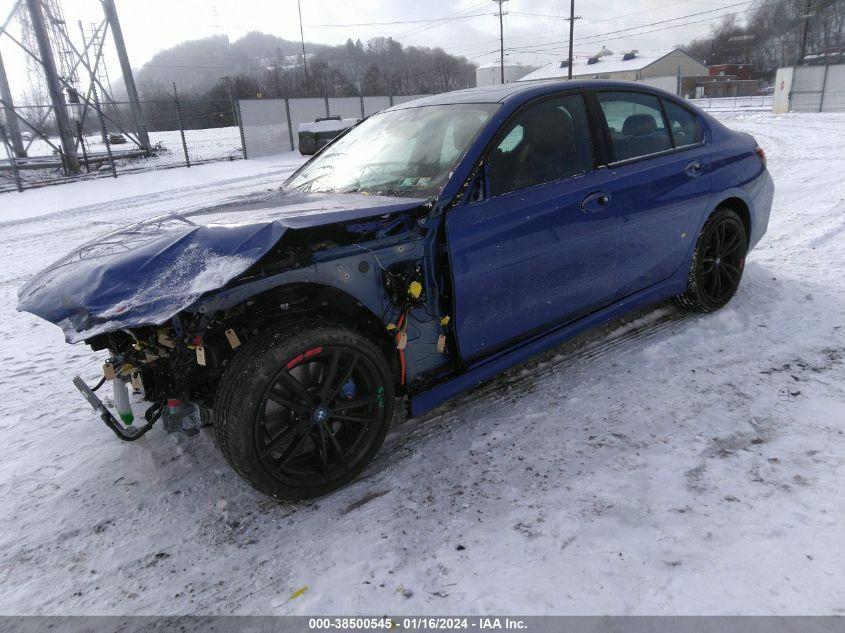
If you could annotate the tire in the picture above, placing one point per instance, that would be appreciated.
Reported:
(300, 412)
(717, 263)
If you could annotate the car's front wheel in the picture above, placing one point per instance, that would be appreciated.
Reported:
(300, 412)
(718, 262)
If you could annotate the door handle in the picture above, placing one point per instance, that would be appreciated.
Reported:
(596, 201)
(694, 169)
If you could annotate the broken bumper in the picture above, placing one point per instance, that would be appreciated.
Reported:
(127, 434)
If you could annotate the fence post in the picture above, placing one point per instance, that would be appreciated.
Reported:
(11, 155)
(103, 129)
(824, 84)
(181, 126)
(328, 112)
(362, 106)
(290, 124)
(241, 127)
(80, 134)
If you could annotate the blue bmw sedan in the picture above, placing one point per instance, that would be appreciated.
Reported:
(425, 250)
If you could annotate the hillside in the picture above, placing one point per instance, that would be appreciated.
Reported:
(272, 66)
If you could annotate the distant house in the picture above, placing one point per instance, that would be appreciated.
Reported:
(632, 66)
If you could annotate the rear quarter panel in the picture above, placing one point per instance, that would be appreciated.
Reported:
(737, 172)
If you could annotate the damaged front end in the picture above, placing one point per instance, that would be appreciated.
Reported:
(173, 299)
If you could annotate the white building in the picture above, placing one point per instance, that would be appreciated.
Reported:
(630, 66)
(490, 74)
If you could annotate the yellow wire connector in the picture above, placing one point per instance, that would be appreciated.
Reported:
(415, 289)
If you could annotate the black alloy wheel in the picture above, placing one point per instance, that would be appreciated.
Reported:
(308, 411)
(718, 262)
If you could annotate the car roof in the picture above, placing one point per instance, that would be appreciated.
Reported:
(523, 91)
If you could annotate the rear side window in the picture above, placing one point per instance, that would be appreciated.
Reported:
(685, 126)
(546, 141)
(636, 123)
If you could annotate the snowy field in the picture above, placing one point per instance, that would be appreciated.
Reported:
(663, 464)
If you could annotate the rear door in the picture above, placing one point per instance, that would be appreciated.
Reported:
(660, 184)
(539, 247)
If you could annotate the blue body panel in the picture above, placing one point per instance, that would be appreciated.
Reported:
(659, 209)
(488, 368)
(528, 258)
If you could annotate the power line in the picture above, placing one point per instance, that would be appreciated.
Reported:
(689, 15)
(633, 28)
(554, 46)
(422, 29)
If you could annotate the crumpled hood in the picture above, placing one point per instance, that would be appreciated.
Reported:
(150, 271)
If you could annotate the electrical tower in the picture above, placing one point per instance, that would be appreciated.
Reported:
(74, 76)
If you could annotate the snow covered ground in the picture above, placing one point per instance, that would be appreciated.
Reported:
(663, 464)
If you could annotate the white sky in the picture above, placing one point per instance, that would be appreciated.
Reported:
(153, 25)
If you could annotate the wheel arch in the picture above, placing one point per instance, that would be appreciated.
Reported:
(741, 208)
(301, 302)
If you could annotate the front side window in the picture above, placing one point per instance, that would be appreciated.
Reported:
(635, 121)
(546, 141)
(685, 126)
(406, 152)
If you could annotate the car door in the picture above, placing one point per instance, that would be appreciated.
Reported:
(538, 248)
(660, 184)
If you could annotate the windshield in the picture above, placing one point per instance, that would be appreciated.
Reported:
(408, 152)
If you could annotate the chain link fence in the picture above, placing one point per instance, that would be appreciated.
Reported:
(107, 141)
(723, 104)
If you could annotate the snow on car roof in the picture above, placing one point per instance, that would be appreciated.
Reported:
(519, 90)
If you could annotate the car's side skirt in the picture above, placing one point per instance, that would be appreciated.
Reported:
(484, 370)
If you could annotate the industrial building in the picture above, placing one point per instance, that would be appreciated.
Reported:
(632, 66)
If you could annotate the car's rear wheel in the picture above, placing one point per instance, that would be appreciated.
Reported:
(301, 412)
(718, 262)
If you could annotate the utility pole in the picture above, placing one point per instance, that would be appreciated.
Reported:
(571, 19)
(302, 40)
(51, 74)
(808, 13)
(501, 42)
(9, 109)
(125, 67)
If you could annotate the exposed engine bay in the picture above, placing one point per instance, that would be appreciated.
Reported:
(376, 275)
